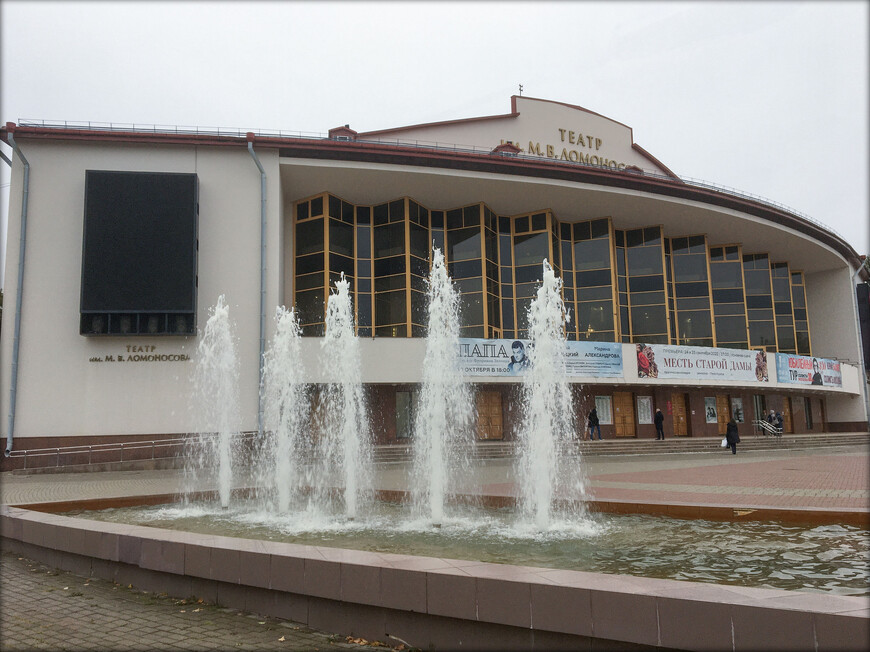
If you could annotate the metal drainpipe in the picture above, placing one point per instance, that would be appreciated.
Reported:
(16, 337)
(863, 378)
(250, 137)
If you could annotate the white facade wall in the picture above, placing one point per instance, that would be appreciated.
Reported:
(400, 360)
(61, 392)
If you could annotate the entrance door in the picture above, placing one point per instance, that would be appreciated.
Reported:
(489, 417)
(623, 414)
(681, 422)
(787, 425)
(723, 412)
(760, 406)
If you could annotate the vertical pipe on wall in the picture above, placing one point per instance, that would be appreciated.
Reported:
(862, 378)
(250, 137)
(16, 337)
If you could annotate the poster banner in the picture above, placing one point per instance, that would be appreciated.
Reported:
(803, 370)
(737, 409)
(700, 362)
(479, 357)
(644, 409)
(711, 415)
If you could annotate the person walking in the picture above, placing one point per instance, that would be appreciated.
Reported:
(778, 423)
(660, 425)
(731, 436)
(593, 424)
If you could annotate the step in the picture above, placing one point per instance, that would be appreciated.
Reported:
(632, 446)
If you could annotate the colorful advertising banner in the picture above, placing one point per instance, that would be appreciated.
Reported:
(803, 370)
(479, 357)
(700, 362)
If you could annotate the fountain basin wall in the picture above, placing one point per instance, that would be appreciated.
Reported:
(439, 603)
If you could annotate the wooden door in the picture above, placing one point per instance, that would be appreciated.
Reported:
(681, 421)
(623, 414)
(787, 425)
(489, 415)
(723, 412)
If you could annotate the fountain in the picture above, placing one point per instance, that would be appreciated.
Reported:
(543, 470)
(444, 409)
(343, 439)
(280, 468)
(216, 403)
(440, 599)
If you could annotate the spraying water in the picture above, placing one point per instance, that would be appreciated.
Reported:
(285, 406)
(548, 413)
(344, 439)
(444, 407)
(216, 399)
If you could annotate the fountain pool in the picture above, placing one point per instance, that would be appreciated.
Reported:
(829, 558)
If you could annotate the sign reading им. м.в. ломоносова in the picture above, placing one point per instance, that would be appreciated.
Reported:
(479, 357)
(803, 370)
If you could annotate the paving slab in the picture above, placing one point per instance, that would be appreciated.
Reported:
(45, 609)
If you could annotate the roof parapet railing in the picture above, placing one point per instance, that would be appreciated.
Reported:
(473, 150)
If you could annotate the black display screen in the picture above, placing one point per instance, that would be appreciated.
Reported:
(139, 254)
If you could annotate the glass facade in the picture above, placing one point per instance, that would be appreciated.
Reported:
(632, 285)
(729, 305)
(759, 301)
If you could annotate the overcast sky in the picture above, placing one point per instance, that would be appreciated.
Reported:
(767, 98)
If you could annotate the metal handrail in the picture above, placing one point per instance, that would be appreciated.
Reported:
(473, 150)
(58, 451)
(768, 428)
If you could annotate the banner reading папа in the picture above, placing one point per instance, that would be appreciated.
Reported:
(479, 357)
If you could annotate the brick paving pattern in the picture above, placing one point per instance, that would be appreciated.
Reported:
(832, 481)
(45, 609)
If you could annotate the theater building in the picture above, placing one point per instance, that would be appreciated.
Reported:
(682, 296)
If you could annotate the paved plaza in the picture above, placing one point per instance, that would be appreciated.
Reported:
(45, 609)
(53, 610)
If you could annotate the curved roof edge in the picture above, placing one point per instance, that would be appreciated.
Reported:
(325, 149)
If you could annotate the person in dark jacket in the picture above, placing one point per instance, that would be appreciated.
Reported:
(731, 436)
(778, 423)
(659, 420)
(593, 424)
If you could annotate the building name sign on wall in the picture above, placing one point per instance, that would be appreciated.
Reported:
(140, 353)
(585, 153)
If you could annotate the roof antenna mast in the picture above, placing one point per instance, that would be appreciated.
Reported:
(521, 90)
